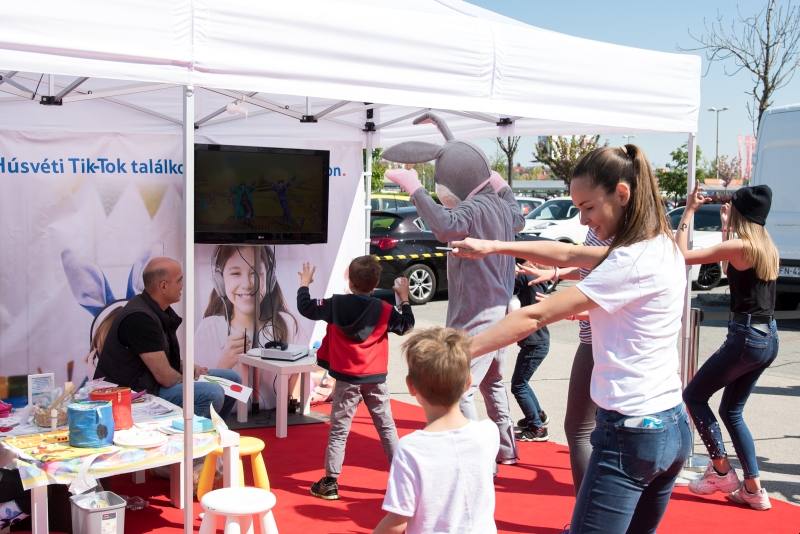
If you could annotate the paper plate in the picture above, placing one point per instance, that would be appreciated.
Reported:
(143, 439)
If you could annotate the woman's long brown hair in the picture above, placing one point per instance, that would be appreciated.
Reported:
(644, 216)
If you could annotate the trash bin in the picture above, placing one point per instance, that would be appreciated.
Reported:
(102, 512)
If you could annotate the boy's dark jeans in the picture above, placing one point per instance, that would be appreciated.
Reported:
(736, 366)
(528, 360)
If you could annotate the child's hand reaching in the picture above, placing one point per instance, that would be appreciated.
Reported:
(401, 288)
(540, 275)
(307, 274)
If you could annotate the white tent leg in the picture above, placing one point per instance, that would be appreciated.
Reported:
(687, 336)
(685, 322)
(188, 293)
(367, 191)
(685, 326)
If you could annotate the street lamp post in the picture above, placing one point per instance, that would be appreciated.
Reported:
(716, 153)
(628, 138)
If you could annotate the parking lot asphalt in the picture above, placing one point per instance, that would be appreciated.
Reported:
(772, 413)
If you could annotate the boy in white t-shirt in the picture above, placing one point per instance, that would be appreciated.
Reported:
(442, 477)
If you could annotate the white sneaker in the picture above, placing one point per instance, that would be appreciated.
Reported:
(711, 482)
(756, 501)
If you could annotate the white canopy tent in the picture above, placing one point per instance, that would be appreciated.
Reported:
(351, 69)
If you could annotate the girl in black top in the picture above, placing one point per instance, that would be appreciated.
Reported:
(750, 347)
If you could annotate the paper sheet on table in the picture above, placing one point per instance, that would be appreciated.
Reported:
(84, 481)
(232, 389)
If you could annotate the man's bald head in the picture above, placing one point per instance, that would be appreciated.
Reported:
(157, 270)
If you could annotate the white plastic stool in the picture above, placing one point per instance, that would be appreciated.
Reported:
(241, 508)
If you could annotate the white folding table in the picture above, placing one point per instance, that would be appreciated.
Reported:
(283, 369)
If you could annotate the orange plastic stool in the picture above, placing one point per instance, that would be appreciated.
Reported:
(248, 446)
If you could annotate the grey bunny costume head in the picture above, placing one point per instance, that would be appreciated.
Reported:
(461, 167)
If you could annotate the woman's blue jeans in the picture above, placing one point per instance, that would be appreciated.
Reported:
(631, 472)
(747, 351)
(205, 394)
(528, 360)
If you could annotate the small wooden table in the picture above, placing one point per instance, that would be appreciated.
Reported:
(283, 370)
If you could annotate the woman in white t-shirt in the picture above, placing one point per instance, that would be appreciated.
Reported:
(634, 296)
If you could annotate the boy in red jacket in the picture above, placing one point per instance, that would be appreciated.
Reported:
(355, 352)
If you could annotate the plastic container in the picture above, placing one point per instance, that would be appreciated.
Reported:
(120, 398)
(98, 513)
(91, 424)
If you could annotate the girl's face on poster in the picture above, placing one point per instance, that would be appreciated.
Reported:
(601, 211)
(240, 284)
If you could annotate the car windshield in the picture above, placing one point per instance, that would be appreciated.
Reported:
(552, 210)
(383, 223)
(706, 219)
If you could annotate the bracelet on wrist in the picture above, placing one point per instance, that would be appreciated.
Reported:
(555, 275)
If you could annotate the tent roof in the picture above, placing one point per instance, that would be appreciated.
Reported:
(444, 54)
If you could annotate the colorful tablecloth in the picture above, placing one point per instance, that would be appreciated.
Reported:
(46, 457)
(37, 470)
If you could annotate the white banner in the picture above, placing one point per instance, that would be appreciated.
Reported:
(80, 214)
(77, 213)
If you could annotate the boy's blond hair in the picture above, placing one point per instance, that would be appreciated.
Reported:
(438, 364)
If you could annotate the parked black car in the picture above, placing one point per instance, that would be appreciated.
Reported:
(406, 247)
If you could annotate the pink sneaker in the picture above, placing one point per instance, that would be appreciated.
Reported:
(756, 501)
(711, 482)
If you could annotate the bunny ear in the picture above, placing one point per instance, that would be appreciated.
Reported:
(428, 118)
(412, 152)
(87, 282)
(135, 281)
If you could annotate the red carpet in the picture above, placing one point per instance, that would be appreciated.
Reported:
(534, 496)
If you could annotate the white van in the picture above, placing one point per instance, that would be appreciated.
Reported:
(777, 164)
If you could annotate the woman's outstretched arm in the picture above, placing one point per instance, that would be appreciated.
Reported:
(518, 324)
(545, 252)
(729, 250)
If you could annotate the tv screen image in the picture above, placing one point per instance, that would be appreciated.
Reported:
(260, 195)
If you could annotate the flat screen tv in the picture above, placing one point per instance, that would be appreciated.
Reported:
(258, 195)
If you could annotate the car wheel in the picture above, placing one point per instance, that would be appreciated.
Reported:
(709, 276)
(421, 283)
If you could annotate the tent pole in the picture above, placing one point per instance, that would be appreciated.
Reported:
(367, 191)
(686, 321)
(188, 292)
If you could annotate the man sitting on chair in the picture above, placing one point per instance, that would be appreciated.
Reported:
(142, 352)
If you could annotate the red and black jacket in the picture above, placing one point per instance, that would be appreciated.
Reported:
(356, 344)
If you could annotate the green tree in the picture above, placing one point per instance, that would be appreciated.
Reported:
(560, 154)
(498, 163)
(674, 179)
(379, 167)
(509, 148)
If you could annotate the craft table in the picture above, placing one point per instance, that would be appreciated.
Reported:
(304, 366)
(37, 475)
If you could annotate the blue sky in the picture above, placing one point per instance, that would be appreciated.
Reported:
(659, 26)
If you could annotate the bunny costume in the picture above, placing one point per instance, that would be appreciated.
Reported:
(478, 205)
